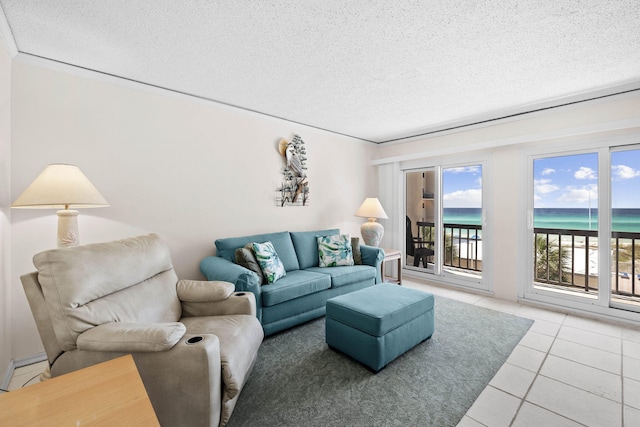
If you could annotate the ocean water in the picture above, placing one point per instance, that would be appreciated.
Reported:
(560, 218)
(465, 216)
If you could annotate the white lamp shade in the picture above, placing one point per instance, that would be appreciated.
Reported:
(371, 208)
(60, 186)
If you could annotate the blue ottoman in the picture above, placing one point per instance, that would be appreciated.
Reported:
(377, 324)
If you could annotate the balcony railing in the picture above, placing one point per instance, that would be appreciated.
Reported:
(626, 247)
(463, 246)
(569, 258)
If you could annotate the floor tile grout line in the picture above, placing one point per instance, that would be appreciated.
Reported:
(590, 366)
(524, 397)
(578, 388)
(555, 413)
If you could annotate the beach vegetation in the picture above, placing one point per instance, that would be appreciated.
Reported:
(551, 261)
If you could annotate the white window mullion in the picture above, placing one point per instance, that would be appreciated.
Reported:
(604, 227)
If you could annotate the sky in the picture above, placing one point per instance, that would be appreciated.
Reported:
(572, 181)
(462, 187)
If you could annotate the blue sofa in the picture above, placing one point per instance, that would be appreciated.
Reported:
(300, 295)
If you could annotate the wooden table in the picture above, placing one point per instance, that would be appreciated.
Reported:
(390, 255)
(107, 394)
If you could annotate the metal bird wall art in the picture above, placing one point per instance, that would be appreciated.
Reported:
(295, 187)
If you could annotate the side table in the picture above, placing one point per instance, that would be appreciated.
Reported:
(108, 394)
(390, 255)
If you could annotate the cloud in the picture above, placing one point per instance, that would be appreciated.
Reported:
(548, 171)
(463, 199)
(544, 186)
(580, 194)
(464, 169)
(624, 172)
(585, 173)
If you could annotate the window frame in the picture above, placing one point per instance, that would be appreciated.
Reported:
(602, 145)
(438, 274)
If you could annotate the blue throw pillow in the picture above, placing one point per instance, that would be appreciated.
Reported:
(334, 251)
(272, 267)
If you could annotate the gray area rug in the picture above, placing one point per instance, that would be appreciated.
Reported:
(299, 381)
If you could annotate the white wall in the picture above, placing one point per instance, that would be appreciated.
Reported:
(189, 170)
(5, 215)
(505, 180)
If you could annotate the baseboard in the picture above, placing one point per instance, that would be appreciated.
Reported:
(19, 363)
(8, 375)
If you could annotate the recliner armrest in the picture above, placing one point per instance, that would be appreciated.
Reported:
(131, 337)
(216, 268)
(203, 291)
(237, 303)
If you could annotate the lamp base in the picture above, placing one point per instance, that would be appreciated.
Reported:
(68, 235)
(372, 232)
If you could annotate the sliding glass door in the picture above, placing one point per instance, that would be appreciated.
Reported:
(443, 216)
(420, 218)
(586, 228)
(625, 228)
(462, 220)
(565, 219)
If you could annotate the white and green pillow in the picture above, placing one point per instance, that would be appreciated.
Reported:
(335, 250)
(272, 267)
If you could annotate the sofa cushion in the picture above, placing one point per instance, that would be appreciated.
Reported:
(306, 246)
(247, 258)
(269, 261)
(335, 251)
(295, 284)
(346, 275)
(226, 248)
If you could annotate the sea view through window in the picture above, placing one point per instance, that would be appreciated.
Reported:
(567, 242)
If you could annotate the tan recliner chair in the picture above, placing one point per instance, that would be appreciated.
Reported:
(194, 342)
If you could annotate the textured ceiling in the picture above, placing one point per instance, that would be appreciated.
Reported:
(377, 70)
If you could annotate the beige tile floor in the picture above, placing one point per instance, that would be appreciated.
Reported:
(566, 371)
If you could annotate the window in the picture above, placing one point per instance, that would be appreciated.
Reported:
(585, 229)
(625, 229)
(565, 218)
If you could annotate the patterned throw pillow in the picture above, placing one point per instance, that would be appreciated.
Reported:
(335, 250)
(272, 267)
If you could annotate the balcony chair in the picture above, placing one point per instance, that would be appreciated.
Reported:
(193, 342)
(417, 248)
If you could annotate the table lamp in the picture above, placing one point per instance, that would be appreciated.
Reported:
(62, 186)
(371, 230)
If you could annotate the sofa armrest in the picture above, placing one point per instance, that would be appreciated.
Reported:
(373, 256)
(131, 337)
(219, 269)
